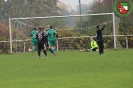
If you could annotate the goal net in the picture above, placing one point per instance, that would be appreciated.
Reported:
(74, 30)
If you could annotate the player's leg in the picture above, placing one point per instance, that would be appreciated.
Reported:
(47, 46)
(36, 45)
(39, 50)
(99, 44)
(44, 50)
(33, 45)
(53, 49)
(102, 47)
(97, 49)
(53, 46)
(50, 46)
(94, 49)
(50, 49)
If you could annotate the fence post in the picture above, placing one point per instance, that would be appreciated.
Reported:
(24, 46)
(16, 46)
(57, 47)
(126, 42)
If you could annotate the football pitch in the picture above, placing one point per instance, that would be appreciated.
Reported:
(69, 69)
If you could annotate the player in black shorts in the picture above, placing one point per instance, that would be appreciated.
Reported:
(100, 38)
(42, 41)
(46, 38)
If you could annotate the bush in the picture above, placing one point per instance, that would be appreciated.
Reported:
(1, 52)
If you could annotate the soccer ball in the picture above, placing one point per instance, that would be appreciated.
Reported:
(81, 50)
(29, 49)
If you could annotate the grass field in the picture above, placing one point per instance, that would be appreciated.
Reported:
(69, 69)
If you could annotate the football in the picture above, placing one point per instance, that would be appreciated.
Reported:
(81, 50)
(29, 49)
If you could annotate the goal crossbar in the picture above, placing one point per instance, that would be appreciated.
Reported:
(46, 17)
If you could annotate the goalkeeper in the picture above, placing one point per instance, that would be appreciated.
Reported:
(34, 40)
(94, 46)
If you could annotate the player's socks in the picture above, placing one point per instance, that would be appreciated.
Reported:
(33, 49)
(100, 53)
(38, 53)
(45, 52)
(53, 50)
(32, 52)
(50, 50)
(103, 54)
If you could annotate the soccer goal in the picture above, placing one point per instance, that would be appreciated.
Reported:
(74, 30)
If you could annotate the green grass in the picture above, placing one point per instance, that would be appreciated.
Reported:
(69, 69)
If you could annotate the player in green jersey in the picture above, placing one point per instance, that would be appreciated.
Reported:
(34, 40)
(52, 35)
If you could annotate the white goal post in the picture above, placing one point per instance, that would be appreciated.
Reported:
(28, 18)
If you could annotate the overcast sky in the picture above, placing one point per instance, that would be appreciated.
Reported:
(74, 3)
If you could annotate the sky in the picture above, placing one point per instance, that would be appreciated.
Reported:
(74, 3)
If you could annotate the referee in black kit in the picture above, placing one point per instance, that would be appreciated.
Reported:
(100, 38)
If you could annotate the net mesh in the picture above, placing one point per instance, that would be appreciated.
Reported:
(74, 31)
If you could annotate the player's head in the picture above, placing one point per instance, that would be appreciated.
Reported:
(39, 29)
(51, 27)
(35, 28)
(99, 27)
(43, 28)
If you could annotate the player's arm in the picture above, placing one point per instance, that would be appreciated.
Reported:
(92, 45)
(47, 33)
(36, 36)
(31, 34)
(95, 43)
(103, 25)
(46, 38)
(56, 34)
